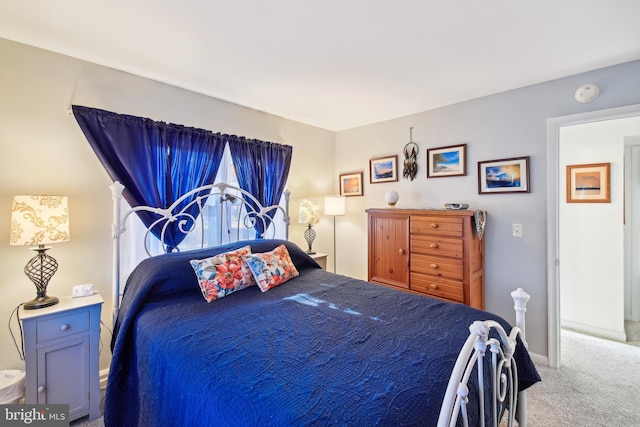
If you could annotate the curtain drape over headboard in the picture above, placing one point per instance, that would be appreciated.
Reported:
(158, 162)
(262, 169)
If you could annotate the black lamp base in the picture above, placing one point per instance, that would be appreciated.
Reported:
(310, 235)
(40, 269)
(40, 302)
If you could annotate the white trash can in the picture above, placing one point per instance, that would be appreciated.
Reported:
(12, 386)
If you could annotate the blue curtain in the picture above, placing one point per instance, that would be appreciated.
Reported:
(262, 169)
(155, 161)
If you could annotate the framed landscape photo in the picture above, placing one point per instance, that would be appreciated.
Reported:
(589, 183)
(447, 161)
(383, 169)
(504, 176)
(351, 184)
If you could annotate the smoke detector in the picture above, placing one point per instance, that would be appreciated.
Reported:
(587, 93)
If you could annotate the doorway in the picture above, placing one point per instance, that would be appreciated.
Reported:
(553, 214)
(632, 230)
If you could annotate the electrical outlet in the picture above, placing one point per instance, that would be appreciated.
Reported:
(516, 230)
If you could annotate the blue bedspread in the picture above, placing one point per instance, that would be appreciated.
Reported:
(321, 349)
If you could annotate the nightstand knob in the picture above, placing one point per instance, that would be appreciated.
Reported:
(433, 246)
(401, 251)
(41, 389)
(64, 327)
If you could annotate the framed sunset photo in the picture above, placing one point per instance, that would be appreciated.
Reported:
(504, 176)
(383, 169)
(589, 183)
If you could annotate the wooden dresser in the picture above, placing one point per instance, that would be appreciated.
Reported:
(433, 252)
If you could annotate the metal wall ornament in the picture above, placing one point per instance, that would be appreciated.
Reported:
(410, 158)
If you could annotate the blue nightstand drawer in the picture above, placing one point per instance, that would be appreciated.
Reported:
(62, 326)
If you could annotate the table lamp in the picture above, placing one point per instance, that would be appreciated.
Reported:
(37, 221)
(310, 215)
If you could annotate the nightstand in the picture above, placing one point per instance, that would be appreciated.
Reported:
(320, 258)
(61, 348)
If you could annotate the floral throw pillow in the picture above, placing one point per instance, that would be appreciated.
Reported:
(223, 274)
(271, 269)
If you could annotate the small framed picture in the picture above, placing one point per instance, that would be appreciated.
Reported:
(383, 169)
(447, 161)
(351, 184)
(504, 176)
(589, 183)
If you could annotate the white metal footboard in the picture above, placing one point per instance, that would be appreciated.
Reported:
(503, 372)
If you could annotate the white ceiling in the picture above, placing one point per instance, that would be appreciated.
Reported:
(335, 64)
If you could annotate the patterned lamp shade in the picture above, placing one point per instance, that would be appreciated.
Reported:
(309, 212)
(36, 221)
(39, 220)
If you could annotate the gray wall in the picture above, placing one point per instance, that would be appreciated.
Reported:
(510, 124)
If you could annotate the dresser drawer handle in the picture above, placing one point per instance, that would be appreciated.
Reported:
(64, 327)
(433, 246)
(41, 389)
(433, 225)
(401, 251)
(433, 287)
(434, 265)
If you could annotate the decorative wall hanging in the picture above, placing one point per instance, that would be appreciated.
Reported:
(504, 176)
(447, 161)
(410, 158)
(351, 184)
(589, 183)
(383, 169)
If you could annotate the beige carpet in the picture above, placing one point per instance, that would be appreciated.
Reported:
(598, 384)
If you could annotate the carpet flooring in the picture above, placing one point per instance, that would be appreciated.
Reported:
(597, 385)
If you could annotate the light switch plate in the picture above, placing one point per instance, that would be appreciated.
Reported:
(516, 230)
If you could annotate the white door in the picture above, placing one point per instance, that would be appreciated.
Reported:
(632, 229)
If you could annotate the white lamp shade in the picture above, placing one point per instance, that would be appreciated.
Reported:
(39, 220)
(309, 212)
(334, 205)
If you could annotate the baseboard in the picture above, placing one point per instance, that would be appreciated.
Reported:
(104, 374)
(594, 331)
(539, 359)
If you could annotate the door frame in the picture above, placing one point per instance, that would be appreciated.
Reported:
(553, 145)
(631, 237)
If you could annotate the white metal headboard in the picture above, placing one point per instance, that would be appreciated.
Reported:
(248, 211)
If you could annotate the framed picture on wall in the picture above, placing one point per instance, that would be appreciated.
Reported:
(447, 161)
(504, 176)
(351, 184)
(383, 169)
(589, 183)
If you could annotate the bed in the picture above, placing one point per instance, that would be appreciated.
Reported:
(317, 349)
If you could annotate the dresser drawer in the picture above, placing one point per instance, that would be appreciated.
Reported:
(437, 286)
(439, 246)
(62, 326)
(436, 266)
(441, 226)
